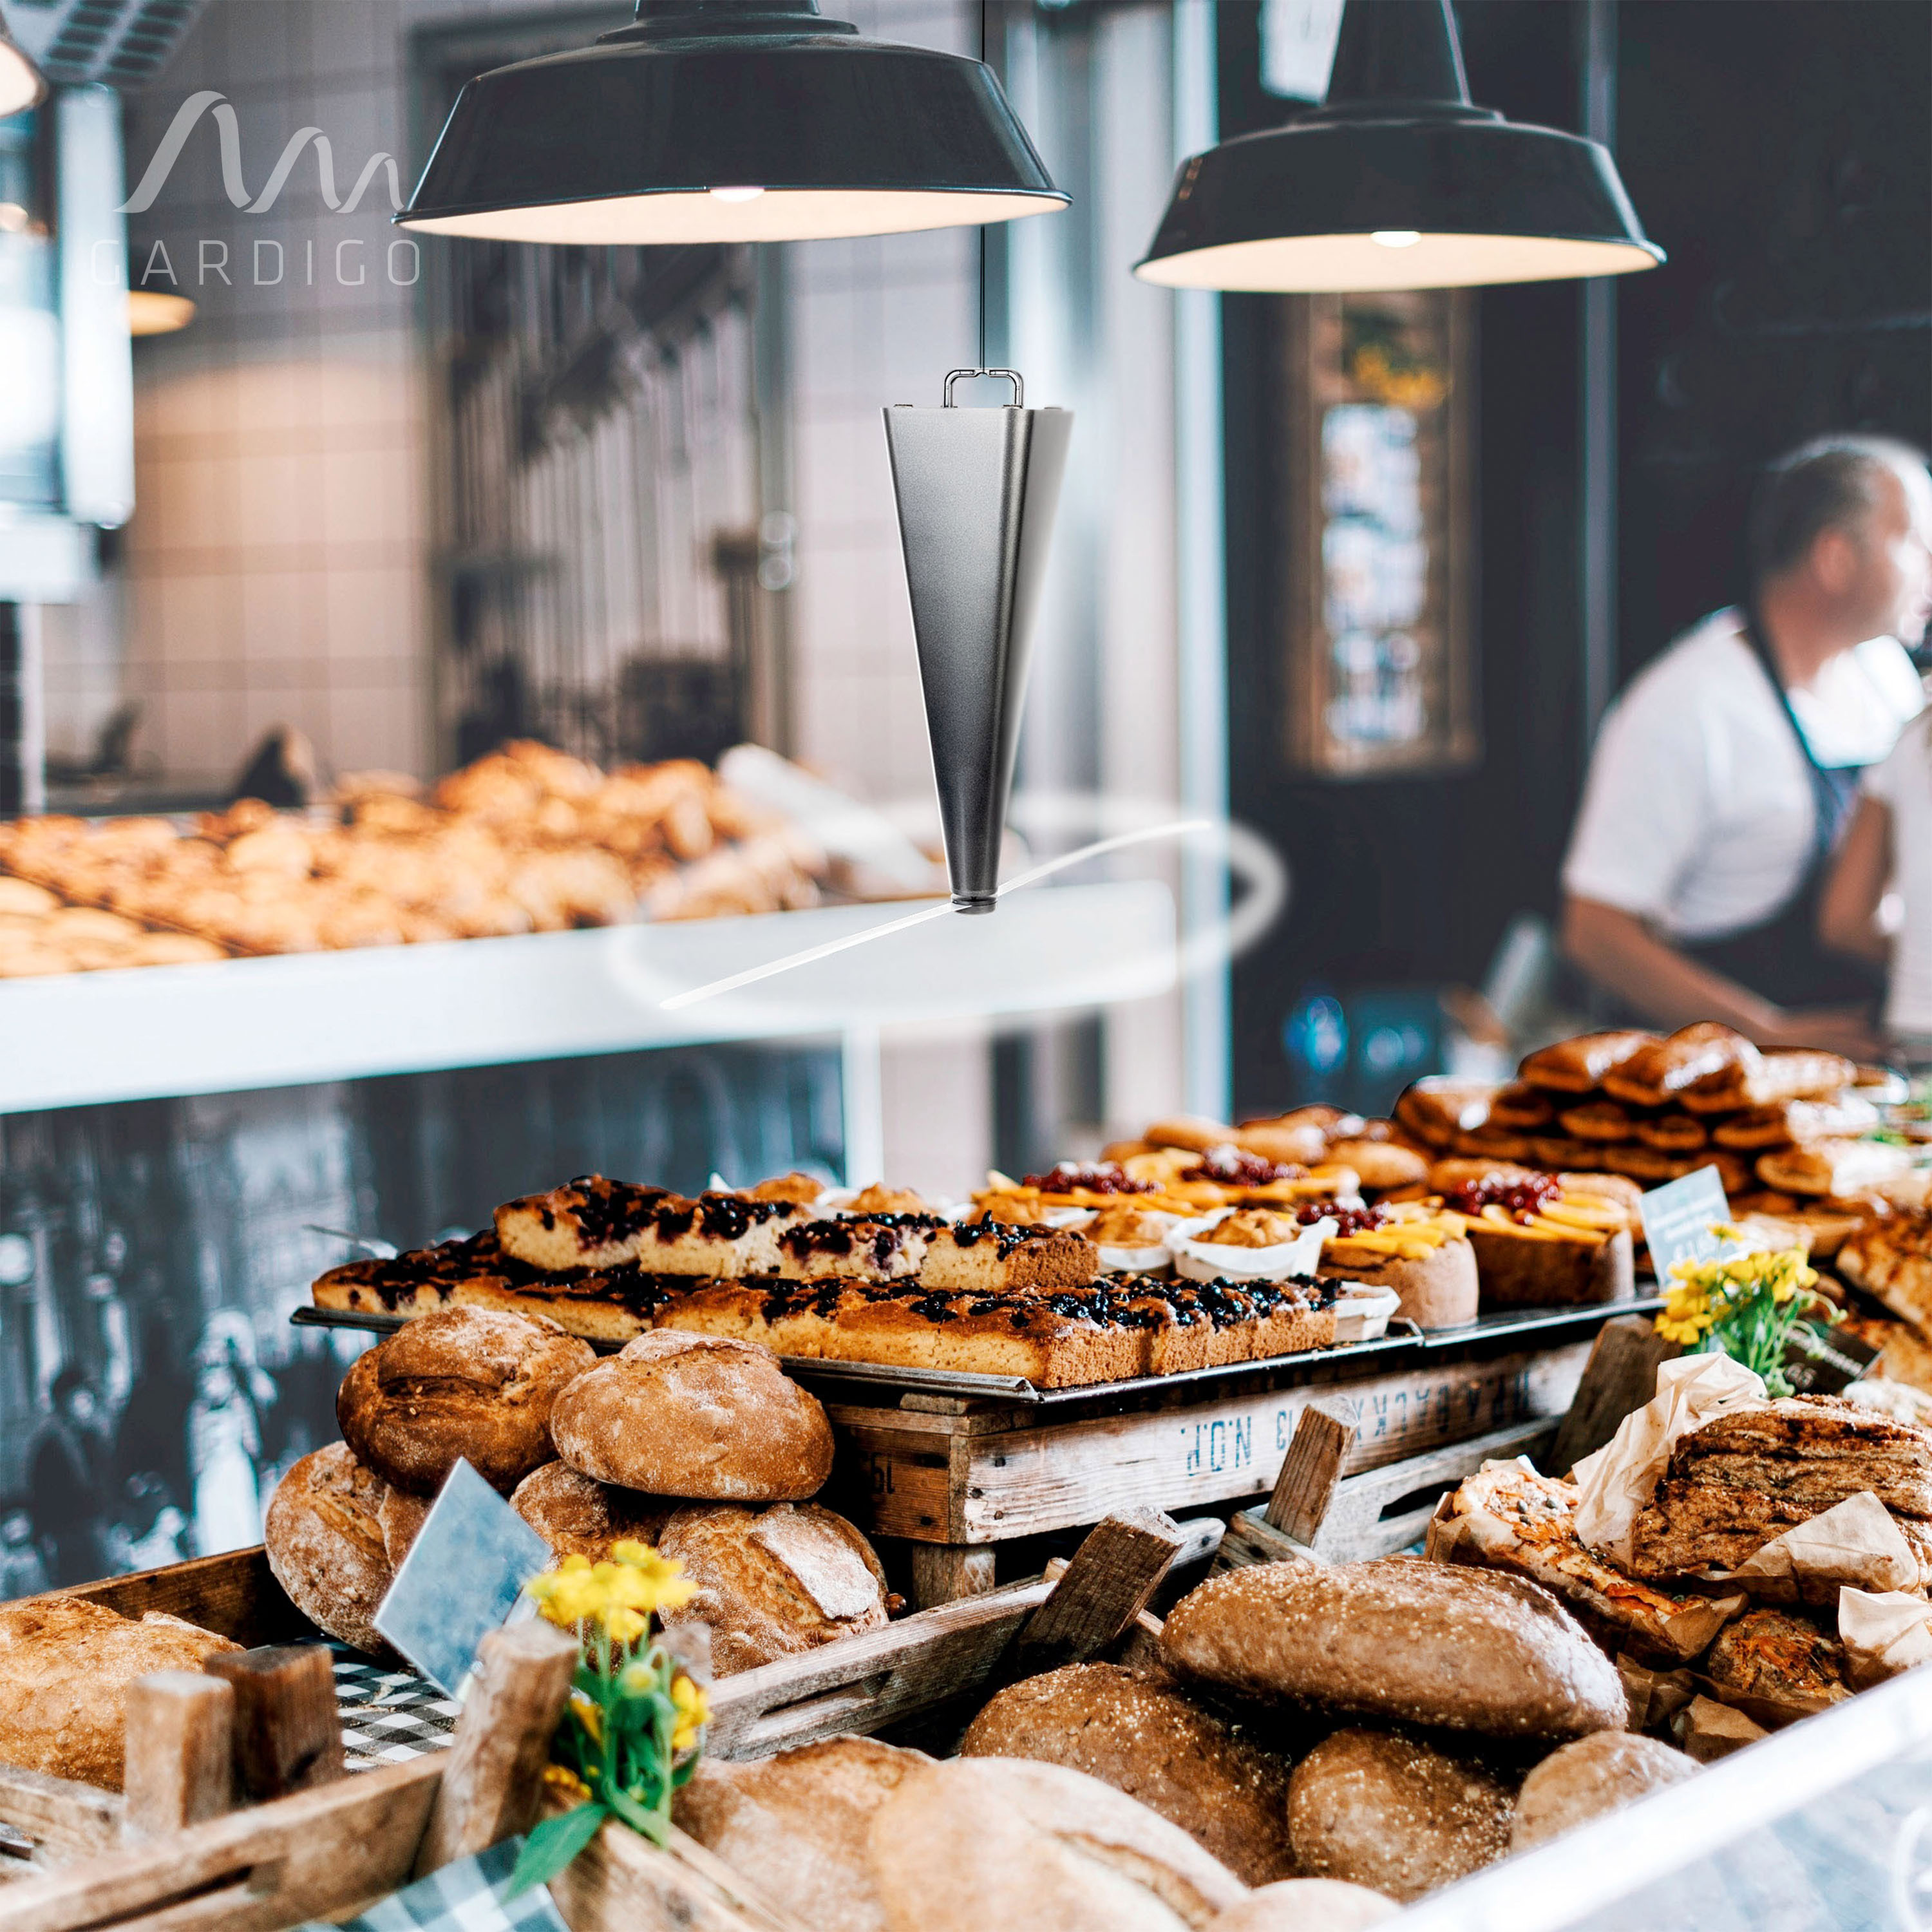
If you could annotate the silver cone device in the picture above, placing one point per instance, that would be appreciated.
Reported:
(977, 491)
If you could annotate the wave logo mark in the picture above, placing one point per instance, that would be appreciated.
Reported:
(229, 130)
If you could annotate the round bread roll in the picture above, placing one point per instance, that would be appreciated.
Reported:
(578, 1517)
(1228, 1794)
(1597, 1774)
(696, 1416)
(988, 1842)
(1388, 1813)
(324, 1534)
(1307, 1905)
(400, 1515)
(798, 1825)
(65, 1666)
(1402, 1639)
(771, 1583)
(473, 1383)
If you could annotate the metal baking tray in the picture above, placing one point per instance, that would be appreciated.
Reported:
(880, 1380)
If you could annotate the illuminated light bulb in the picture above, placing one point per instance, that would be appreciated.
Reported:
(1395, 238)
(735, 193)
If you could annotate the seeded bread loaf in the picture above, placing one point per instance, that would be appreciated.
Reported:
(324, 1533)
(470, 1384)
(1393, 1814)
(1400, 1640)
(696, 1416)
(65, 1666)
(1603, 1772)
(1226, 1793)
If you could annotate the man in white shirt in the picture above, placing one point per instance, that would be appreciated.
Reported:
(1721, 779)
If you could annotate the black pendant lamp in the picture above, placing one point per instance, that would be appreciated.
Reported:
(729, 121)
(1396, 182)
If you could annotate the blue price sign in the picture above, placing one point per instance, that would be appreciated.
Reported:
(1677, 1220)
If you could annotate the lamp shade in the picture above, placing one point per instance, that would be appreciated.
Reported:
(729, 121)
(21, 85)
(1396, 182)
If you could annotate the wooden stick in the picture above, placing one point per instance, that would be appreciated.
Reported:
(287, 1735)
(1105, 1586)
(1621, 1376)
(180, 1753)
(493, 1778)
(1305, 1486)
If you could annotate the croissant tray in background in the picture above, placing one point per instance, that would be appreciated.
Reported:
(1655, 1108)
(526, 840)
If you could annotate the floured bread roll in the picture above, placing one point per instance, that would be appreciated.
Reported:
(579, 1517)
(324, 1533)
(1307, 1905)
(65, 1666)
(798, 1825)
(699, 1416)
(773, 1582)
(1600, 1773)
(992, 1844)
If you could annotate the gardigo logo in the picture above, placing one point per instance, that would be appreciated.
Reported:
(212, 254)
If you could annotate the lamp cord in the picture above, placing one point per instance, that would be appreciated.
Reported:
(983, 5)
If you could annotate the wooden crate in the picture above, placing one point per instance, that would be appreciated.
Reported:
(334, 1850)
(955, 1476)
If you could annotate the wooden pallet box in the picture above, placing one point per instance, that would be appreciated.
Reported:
(943, 1470)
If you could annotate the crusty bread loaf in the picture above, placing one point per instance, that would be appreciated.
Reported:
(773, 1582)
(798, 1826)
(1308, 1905)
(698, 1416)
(401, 1516)
(1394, 1814)
(976, 1844)
(65, 1666)
(1226, 1793)
(324, 1534)
(579, 1517)
(1395, 1638)
(1600, 1773)
(472, 1383)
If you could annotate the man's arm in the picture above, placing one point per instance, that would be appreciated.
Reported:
(1620, 951)
(1848, 912)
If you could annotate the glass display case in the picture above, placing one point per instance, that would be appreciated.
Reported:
(1826, 1827)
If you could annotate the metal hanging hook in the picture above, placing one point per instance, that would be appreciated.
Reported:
(1012, 375)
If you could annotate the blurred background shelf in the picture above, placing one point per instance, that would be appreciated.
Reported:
(169, 1031)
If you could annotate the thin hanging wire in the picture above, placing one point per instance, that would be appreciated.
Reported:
(983, 5)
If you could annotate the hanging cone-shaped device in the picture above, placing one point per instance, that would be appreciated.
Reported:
(977, 491)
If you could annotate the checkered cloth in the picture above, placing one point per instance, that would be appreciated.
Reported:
(465, 1897)
(388, 1715)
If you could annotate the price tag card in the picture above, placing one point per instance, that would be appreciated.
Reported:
(460, 1580)
(1677, 1220)
(1822, 1359)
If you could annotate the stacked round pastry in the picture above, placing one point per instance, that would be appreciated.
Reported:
(701, 1445)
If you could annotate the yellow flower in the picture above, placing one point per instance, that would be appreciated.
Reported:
(621, 1595)
(567, 1781)
(589, 1715)
(694, 1711)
